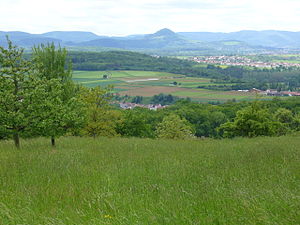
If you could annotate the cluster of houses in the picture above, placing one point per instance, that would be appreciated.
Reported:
(272, 92)
(128, 105)
(241, 61)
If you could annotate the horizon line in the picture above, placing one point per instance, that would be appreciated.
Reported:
(124, 35)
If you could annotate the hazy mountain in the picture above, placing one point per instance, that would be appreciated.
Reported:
(25, 39)
(267, 38)
(71, 36)
(164, 34)
(164, 41)
(161, 39)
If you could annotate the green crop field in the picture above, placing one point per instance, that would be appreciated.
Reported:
(143, 181)
(217, 95)
(148, 83)
(119, 74)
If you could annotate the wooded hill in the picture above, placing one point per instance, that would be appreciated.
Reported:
(239, 77)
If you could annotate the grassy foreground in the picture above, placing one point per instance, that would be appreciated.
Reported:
(141, 181)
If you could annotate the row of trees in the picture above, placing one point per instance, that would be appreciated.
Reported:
(187, 119)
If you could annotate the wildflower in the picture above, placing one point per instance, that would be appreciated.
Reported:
(107, 216)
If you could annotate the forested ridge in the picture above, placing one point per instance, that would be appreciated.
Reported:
(238, 77)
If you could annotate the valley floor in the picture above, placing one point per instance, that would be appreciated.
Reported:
(149, 83)
(143, 181)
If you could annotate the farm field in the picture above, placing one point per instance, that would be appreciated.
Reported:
(142, 181)
(279, 58)
(145, 83)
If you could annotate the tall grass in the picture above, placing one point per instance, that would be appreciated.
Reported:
(142, 181)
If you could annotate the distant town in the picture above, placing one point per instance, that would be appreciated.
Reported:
(271, 92)
(240, 61)
(129, 105)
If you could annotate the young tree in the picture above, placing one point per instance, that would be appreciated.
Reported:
(49, 114)
(64, 108)
(173, 127)
(14, 89)
(51, 62)
(101, 119)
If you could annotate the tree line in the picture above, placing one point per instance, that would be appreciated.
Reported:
(186, 119)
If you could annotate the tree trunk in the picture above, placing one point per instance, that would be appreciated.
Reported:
(16, 140)
(53, 141)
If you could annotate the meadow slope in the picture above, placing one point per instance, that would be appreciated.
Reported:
(142, 181)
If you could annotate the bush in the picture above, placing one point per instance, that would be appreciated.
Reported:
(173, 127)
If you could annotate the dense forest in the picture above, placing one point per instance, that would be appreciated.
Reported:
(280, 78)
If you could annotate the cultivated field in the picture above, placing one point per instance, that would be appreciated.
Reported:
(142, 181)
(145, 83)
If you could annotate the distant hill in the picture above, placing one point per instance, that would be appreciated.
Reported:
(26, 39)
(126, 60)
(268, 38)
(161, 39)
(71, 36)
(165, 41)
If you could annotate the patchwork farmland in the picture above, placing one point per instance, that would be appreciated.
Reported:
(145, 83)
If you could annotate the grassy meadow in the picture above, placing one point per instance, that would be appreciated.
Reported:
(143, 181)
(148, 83)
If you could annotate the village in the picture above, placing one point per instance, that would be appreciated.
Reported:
(271, 92)
(129, 105)
(240, 61)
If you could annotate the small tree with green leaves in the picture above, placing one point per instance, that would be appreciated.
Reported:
(64, 108)
(14, 89)
(101, 119)
(173, 127)
(51, 62)
(49, 114)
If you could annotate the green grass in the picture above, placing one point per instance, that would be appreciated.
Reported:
(214, 95)
(286, 61)
(142, 181)
(120, 74)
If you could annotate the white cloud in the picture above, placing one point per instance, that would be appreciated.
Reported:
(122, 17)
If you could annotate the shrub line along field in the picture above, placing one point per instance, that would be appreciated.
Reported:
(143, 181)
(145, 83)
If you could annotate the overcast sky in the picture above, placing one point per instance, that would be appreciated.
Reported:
(123, 17)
